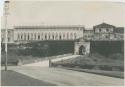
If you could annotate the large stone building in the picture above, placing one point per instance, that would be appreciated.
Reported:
(24, 34)
(82, 36)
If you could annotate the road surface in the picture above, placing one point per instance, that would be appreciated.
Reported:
(64, 77)
(12, 78)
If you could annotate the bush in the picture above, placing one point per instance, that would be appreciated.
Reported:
(117, 56)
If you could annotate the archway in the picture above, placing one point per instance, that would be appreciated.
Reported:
(82, 50)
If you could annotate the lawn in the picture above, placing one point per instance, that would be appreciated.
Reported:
(95, 63)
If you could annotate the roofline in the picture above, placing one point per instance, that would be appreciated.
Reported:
(49, 27)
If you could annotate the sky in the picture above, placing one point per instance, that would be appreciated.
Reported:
(35, 13)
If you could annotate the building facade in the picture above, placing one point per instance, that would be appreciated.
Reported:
(82, 36)
(106, 31)
(24, 34)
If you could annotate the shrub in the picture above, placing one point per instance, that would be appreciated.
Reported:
(116, 56)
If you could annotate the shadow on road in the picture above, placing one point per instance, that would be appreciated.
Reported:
(12, 78)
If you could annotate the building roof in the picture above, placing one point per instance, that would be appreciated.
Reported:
(103, 25)
(49, 27)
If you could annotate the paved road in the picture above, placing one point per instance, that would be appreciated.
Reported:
(12, 78)
(64, 77)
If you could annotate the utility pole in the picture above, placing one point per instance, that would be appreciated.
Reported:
(6, 8)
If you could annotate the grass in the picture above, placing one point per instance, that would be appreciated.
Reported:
(95, 63)
(93, 60)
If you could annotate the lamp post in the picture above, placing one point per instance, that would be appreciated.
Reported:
(6, 8)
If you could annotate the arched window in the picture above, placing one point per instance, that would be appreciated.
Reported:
(56, 37)
(71, 35)
(49, 36)
(28, 37)
(24, 36)
(18, 37)
(31, 36)
(45, 36)
(53, 36)
(67, 36)
(34, 36)
(41, 36)
(75, 36)
(60, 37)
(21, 36)
(38, 36)
(63, 35)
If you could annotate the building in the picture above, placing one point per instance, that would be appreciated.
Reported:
(82, 36)
(106, 31)
(10, 36)
(24, 34)
(101, 32)
(88, 34)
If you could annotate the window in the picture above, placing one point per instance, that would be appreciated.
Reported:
(63, 35)
(24, 36)
(75, 36)
(49, 36)
(8, 39)
(18, 37)
(34, 36)
(45, 37)
(67, 35)
(100, 30)
(56, 37)
(60, 37)
(28, 37)
(53, 37)
(107, 29)
(21, 36)
(97, 30)
(106, 37)
(8, 32)
(31, 36)
(71, 35)
(38, 36)
(2, 39)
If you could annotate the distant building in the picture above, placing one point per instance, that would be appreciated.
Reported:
(10, 38)
(88, 34)
(82, 36)
(101, 32)
(106, 31)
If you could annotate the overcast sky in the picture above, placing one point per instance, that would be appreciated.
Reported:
(65, 13)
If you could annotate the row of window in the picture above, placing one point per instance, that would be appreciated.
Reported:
(104, 30)
(49, 36)
(109, 36)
